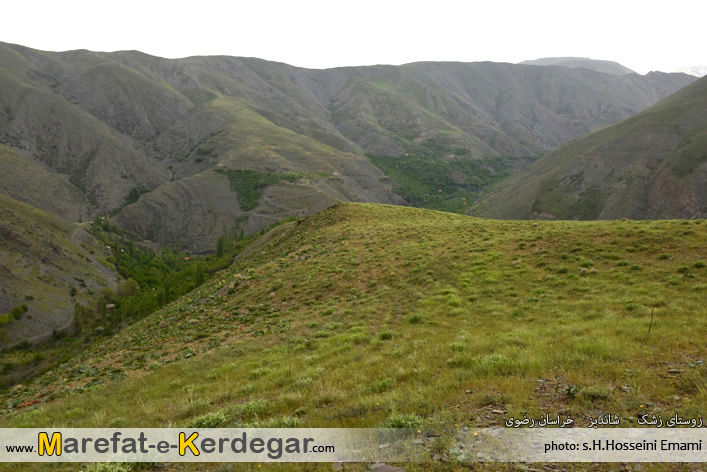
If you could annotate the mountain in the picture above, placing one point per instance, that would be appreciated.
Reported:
(650, 166)
(365, 315)
(182, 151)
(697, 71)
(606, 67)
(47, 265)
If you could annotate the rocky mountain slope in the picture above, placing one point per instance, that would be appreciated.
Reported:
(155, 139)
(48, 265)
(650, 166)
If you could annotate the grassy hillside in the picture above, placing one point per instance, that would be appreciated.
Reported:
(650, 166)
(368, 314)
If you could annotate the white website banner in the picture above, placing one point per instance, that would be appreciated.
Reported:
(203, 445)
(352, 445)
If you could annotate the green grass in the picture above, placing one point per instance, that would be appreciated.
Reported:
(249, 184)
(460, 317)
(441, 184)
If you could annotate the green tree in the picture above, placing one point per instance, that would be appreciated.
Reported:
(219, 247)
(80, 318)
(199, 276)
(128, 288)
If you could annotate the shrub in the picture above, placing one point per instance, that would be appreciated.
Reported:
(385, 335)
(398, 420)
(630, 305)
(252, 409)
(257, 373)
(18, 311)
(415, 318)
(674, 280)
(383, 385)
(457, 347)
(302, 383)
(209, 420)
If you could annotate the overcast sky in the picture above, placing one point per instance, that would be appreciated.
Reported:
(323, 34)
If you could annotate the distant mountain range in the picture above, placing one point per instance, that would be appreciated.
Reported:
(606, 67)
(650, 166)
(155, 142)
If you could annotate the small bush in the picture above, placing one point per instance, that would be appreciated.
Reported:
(209, 420)
(397, 420)
(252, 409)
(674, 280)
(571, 390)
(75, 413)
(259, 372)
(246, 389)
(385, 335)
(302, 383)
(631, 306)
(383, 385)
(699, 264)
(415, 318)
(457, 347)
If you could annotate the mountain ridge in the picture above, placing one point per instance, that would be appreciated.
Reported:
(123, 125)
(608, 67)
(650, 166)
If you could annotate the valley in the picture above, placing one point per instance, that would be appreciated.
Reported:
(227, 242)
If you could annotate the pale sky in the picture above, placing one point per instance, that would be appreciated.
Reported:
(322, 34)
